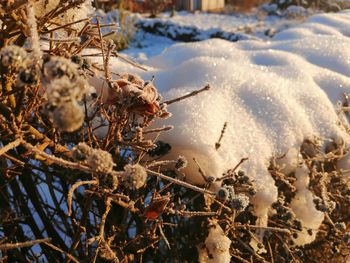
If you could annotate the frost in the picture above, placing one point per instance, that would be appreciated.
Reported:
(68, 116)
(63, 90)
(81, 151)
(100, 161)
(13, 57)
(135, 176)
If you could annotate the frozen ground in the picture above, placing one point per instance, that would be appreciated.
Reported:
(273, 94)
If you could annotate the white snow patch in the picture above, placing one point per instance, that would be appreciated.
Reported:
(217, 246)
(304, 207)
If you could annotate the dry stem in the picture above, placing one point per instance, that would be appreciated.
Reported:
(8, 246)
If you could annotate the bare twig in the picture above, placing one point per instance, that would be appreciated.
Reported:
(234, 169)
(71, 191)
(178, 182)
(57, 160)
(63, 252)
(274, 229)
(10, 146)
(218, 143)
(127, 60)
(162, 129)
(200, 170)
(61, 40)
(193, 93)
(8, 246)
(163, 236)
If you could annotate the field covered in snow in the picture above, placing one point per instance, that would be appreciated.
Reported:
(273, 93)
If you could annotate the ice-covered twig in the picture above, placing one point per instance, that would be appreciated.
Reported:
(34, 36)
(178, 182)
(125, 59)
(71, 191)
(9, 146)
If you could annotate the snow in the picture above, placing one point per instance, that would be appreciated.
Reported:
(304, 208)
(217, 246)
(273, 94)
(147, 45)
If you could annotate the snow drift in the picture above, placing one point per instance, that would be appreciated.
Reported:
(272, 94)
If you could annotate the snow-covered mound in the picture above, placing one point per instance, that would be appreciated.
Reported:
(272, 94)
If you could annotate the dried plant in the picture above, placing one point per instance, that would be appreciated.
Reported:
(81, 178)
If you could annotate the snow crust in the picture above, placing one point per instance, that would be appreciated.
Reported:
(273, 94)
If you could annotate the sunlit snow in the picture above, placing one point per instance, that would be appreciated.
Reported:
(273, 94)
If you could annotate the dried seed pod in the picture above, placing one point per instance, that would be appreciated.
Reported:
(81, 151)
(58, 67)
(63, 90)
(135, 176)
(13, 57)
(223, 194)
(181, 163)
(239, 202)
(100, 161)
(226, 192)
(68, 116)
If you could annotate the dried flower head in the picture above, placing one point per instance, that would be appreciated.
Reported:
(68, 116)
(163, 112)
(13, 57)
(28, 77)
(341, 226)
(134, 79)
(58, 67)
(223, 194)
(81, 151)
(135, 176)
(141, 100)
(226, 192)
(100, 161)
(239, 202)
(346, 238)
(63, 90)
(181, 163)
